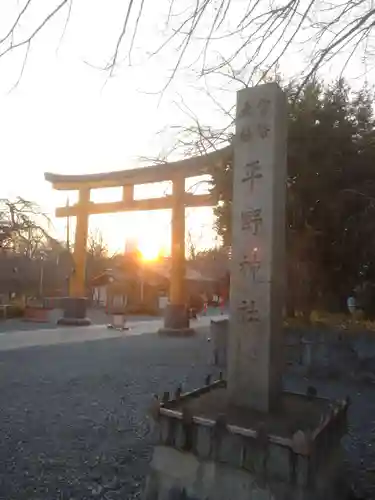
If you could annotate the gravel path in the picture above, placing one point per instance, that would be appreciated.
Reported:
(73, 417)
(16, 325)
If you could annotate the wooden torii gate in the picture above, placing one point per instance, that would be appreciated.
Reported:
(175, 317)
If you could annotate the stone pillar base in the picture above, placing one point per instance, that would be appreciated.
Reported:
(176, 322)
(203, 451)
(74, 312)
(179, 475)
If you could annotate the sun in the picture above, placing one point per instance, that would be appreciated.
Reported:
(150, 250)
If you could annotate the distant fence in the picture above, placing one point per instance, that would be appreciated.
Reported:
(36, 314)
(38, 311)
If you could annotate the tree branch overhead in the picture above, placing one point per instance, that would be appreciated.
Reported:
(253, 36)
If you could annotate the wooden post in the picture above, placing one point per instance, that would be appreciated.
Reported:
(128, 192)
(78, 279)
(177, 282)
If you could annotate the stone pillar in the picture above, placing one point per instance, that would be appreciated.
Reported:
(176, 321)
(255, 359)
(217, 442)
(76, 304)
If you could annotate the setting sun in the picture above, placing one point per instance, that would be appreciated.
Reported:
(150, 250)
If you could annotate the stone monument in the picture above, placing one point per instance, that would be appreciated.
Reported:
(255, 358)
(245, 438)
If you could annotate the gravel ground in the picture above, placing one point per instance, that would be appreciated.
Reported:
(73, 417)
(15, 325)
(97, 316)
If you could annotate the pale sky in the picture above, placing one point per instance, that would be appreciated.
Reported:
(61, 118)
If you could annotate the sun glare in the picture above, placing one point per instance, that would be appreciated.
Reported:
(150, 251)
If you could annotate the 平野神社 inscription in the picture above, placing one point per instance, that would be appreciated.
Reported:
(246, 110)
(251, 220)
(252, 172)
(248, 313)
(258, 208)
(263, 130)
(251, 265)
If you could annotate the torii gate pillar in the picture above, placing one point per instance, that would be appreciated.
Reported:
(75, 305)
(176, 319)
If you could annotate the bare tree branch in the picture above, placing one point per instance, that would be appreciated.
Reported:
(12, 46)
(113, 62)
(254, 37)
(66, 23)
(135, 30)
(23, 67)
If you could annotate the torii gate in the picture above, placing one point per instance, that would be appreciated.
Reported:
(176, 317)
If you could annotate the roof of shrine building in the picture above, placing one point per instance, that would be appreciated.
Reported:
(190, 167)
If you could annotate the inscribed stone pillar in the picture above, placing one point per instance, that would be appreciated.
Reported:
(255, 358)
(78, 279)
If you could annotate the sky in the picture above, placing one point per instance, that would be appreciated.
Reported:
(67, 116)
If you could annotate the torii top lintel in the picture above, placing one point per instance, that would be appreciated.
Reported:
(190, 167)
